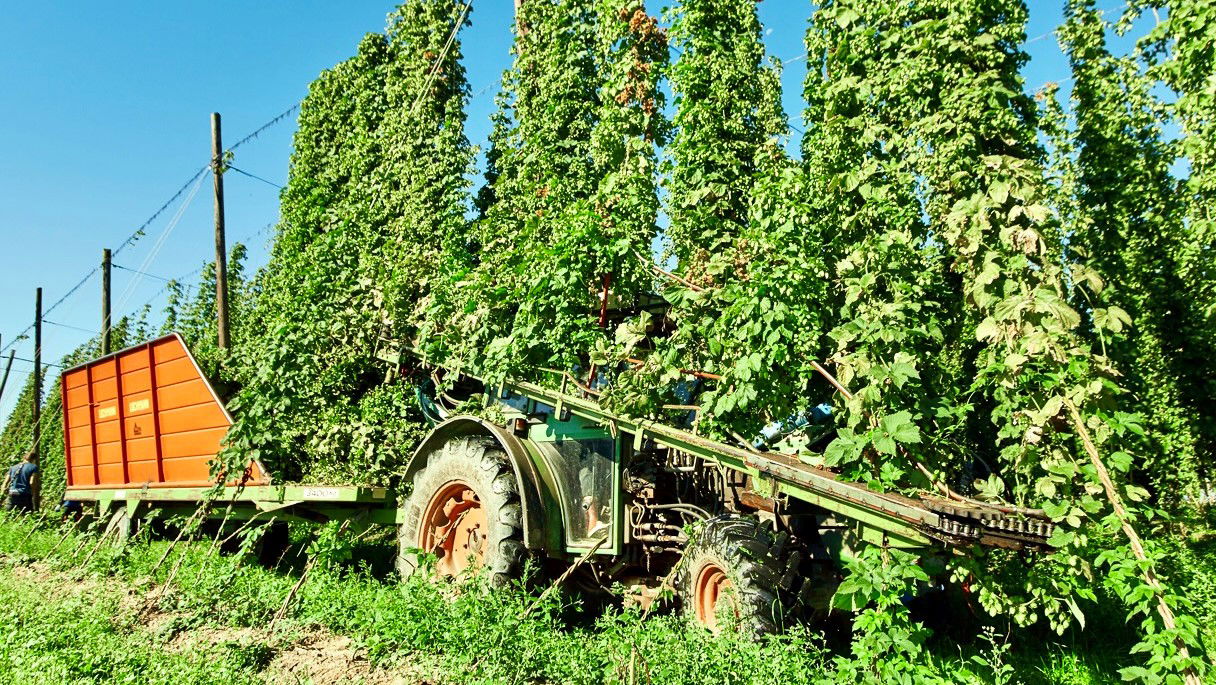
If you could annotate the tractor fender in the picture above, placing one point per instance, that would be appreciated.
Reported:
(528, 479)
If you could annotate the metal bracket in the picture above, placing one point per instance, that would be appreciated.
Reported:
(275, 506)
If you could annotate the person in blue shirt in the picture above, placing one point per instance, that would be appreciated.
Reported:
(23, 485)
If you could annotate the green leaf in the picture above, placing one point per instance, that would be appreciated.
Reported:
(1119, 461)
(846, 17)
(1061, 537)
(900, 427)
(987, 329)
(1055, 510)
(999, 192)
(885, 444)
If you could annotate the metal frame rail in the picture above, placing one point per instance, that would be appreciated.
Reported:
(315, 503)
(886, 518)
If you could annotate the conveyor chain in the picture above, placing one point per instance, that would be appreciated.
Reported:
(989, 525)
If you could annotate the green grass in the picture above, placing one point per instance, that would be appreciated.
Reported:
(63, 622)
(52, 632)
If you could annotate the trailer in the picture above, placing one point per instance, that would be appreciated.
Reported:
(141, 429)
(543, 474)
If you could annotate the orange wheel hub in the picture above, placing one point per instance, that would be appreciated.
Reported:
(711, 588)
(454, 528)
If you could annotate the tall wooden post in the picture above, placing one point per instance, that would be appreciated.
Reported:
(7, 367)
(105, 302)
(221, 252)
(37, 369)
(4, 381)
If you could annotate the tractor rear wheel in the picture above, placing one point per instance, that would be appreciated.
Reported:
(465, 510)
(737, 571)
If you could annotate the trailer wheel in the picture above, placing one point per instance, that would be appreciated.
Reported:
(465, 510)
(737, 570)
(273, 544)
(120, 527)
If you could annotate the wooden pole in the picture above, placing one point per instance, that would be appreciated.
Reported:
(221, 252)
(105, 302)
(7, 367)
(1189, 676)
(37, 369)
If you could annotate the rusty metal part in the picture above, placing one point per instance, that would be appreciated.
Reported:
(989, 525)
(712, 591)
(454, 528)
(753, 500)
(691, 372)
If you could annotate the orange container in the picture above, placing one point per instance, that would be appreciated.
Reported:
(144, 417)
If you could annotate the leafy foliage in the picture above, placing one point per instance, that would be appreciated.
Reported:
(740, 305)
(465, 633)
(1178, 53)
(1129, 223)
(570, 194)
(376, 186)
(890, 318)
(939, 84)
(1018, 299)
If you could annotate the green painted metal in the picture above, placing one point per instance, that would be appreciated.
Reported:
(554, 430)
(894, 518)
(884, 518)
(301, 503)
(554, 535)
(259, 494)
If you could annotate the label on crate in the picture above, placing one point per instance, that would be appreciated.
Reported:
(321, 493)
(107, 412)
(138, 405)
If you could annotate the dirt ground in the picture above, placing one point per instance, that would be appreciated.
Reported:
(300, 655)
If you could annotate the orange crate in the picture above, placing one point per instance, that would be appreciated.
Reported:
(144, 417)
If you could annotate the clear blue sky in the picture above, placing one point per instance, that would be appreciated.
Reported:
(105, 112)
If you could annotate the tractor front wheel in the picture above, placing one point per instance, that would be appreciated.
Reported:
(465, 511)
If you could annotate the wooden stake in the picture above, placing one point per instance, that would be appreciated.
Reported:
(198, 514)
(65, 535)
(105, 302)
(291, 594)
(104, 536)
(1150, 577)
(221, 252)
(247, 524)
(218, 532)
(38, 521)
(562, 578)
(37, 369)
